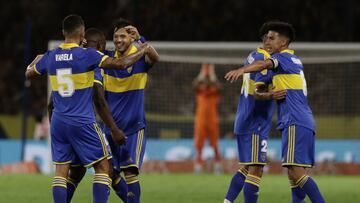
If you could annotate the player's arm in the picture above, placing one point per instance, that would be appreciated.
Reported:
(125, 61)
(102, 109)
(151, 56)
(261, 93)
(31, 70)
(233, 75)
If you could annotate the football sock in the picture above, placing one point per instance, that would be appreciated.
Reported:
(251, 188)
(59, 189)
(133, 186)
(71, 187)
(120, 188)
(101, 184)
(298, 195)
(236, 185)
(308, 185)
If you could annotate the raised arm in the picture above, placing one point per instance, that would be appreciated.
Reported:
(233, 75)
(151, 56)
(125, 61)
(30, 70)
(102, 109)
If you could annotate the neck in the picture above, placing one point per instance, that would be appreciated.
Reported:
(72, 40)
(124, 52)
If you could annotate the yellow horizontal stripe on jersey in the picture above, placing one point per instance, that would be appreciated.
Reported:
(80, 80)
(288, 81)
(251, 87)
(134, 82)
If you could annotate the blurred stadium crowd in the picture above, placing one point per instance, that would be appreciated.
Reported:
(28, 25)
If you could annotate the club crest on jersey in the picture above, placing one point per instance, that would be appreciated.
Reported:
(263, 156)
(129, 69)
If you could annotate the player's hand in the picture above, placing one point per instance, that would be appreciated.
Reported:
(278, 94)
(146, 47)
(83, 43)
(233, 75)
(118, 136)
(133, 32)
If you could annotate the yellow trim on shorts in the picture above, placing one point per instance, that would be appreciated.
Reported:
(61, 163)
(129, 166)
(295, 164)
(252, 163)
(94, 162)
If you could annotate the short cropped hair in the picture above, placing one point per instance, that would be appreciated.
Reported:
(71, 23)
(121, 23)
(283, 28)
(91, 32)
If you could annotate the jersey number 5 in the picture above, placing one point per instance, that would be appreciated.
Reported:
(65, 82)
(246, 85)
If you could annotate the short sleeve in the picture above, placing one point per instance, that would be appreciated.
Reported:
(94, 58)
(40, 66)
(98, 75)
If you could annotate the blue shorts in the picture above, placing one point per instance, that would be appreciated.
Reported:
(298, 146)
(131, 154)
(252, 149)
(76, 161)
(70, 142)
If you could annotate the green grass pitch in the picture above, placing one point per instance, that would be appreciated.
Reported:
(176, 188)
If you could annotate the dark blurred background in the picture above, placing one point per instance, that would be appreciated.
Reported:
(28, 25)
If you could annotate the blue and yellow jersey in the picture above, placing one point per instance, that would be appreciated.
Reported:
(289, 74)
(71, 72)
(124, 92)
(254, 115)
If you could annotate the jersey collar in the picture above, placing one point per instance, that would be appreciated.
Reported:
(263, 51)
(289, 51)
(68, 45)
(132, 50)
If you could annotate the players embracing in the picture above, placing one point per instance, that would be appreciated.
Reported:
(295, 118)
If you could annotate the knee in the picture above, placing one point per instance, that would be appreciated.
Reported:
(295, 173)
(62, 170)
(256, 170)
(77, 173)
(102, 167)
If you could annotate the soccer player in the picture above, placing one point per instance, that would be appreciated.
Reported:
(207, 89)
(295, 119)
(252, 126)
(94, 39)
(124, 92)
(74, 131)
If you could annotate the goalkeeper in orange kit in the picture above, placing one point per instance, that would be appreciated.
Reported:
(207, 90)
